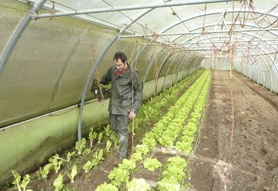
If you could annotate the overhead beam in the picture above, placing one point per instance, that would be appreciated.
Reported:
(216, 12)
(207, 32)
(162, 32)
(128, 8)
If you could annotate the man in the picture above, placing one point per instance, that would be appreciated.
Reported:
(125, 100)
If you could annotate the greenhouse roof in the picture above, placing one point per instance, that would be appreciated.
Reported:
(204, 26)
(53, 53)
(59, 46)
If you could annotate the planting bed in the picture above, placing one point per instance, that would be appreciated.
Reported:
(252, 164)
(254, 158)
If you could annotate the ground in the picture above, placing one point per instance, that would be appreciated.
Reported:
(242, 117)
(236, 148)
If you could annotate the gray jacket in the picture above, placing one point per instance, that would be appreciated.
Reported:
(121, 91)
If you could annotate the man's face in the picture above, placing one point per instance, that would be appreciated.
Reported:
(119, 64)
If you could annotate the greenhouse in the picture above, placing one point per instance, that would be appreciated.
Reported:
(161, 95)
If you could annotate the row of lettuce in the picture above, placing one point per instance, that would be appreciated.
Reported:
(176, 131)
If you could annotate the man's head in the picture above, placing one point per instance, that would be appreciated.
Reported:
(120, 61)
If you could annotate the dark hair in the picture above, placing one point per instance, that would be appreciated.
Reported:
(121, 56)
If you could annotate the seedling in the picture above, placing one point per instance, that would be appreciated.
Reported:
(108, 146)
(21, 184)
(56, 162)
(92, 136)
(73, 173)
(45, 170)
(98, 155)
(99, 138)
(58, 183)
(80, 146)
(107, 130)
(114, 139)
(69, 155)
(89, 165)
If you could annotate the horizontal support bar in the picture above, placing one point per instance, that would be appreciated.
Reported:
(128, 8)
(207, 32)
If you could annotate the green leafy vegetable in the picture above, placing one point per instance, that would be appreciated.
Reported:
(45, 170)
(138, 185)
(80, 146)
(151, 164)
(58, 183)
(73, 173)
(21, 183)
(106, 187)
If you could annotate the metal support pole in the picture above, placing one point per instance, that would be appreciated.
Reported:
(17, 34)
(131, 7)
(198, 33)
(168, 69)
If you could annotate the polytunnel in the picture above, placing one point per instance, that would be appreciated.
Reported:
(52, 50)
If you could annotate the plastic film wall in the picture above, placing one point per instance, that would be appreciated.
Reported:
(49, 66)
(260, 68)
(42, 83)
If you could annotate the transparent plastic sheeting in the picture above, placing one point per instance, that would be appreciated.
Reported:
(210, 27)
(199, 25)
(53, 55)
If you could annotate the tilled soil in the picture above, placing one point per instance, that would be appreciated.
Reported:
(238, 142)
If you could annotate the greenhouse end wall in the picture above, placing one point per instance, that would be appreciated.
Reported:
(261, 72)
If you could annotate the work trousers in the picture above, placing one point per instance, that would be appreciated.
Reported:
(119, 124)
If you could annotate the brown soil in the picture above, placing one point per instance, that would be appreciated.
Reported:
(241, 117)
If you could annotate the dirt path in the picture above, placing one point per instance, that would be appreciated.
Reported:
(253, 164)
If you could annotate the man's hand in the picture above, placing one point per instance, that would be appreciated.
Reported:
(131, 115)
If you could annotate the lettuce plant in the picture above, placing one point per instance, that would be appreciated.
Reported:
(99, 137)
(107, 130)
(80, 146)
(69, 155)
(127, 164)
(106, 187)
(118, 176)
(151, 164)
(45, 170)
(21, 183)
(58, 183)
(89, 165)
(56, 162)
(138, 185)
(73, 173)
(108, 145)
(173, 174)
(92, 136)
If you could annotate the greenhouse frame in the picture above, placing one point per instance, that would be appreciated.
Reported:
(51, 51)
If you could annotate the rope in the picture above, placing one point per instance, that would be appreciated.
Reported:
(231, 137)
(132, 107)
(231, 54)
(94, 64)
(156, 62)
